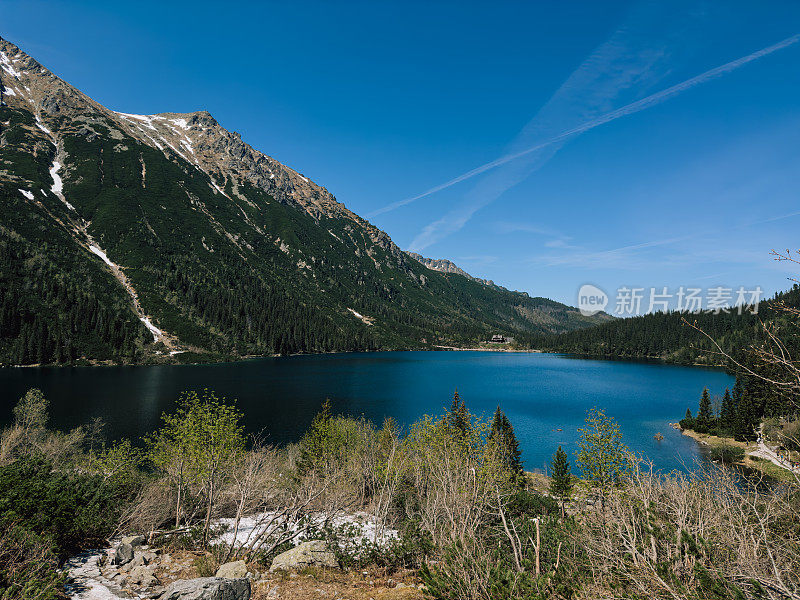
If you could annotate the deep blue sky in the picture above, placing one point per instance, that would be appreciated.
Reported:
(381, 101)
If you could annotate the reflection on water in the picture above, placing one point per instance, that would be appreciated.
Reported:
(545, 396)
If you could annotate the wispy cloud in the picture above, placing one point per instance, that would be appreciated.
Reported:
(518, 226)
(616, 66)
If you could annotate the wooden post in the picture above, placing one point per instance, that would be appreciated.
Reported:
(538, 542)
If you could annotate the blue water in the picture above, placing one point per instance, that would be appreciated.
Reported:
(540, 393)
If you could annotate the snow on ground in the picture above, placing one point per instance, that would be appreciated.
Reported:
(180, 123)
(102, 256)
(41, 126)
(364, 528)
(157, 333)
(58, 185)
(8, 91)
(358, 315)
(27, 194)
(8, 67)
(87, 583)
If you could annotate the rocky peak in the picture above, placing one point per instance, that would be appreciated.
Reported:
(196, 138)
(445, 266)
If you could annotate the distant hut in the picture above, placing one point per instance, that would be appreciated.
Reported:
(498, 339)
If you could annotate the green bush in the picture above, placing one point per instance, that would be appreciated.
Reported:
(530, 504)
(76, 511)
(206, 566)
(726, 453)
(28, 566)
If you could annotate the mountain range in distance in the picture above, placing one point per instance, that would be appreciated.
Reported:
(132, 238)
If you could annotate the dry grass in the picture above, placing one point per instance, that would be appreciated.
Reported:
(327, 583)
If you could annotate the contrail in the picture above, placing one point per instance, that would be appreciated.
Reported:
(628, 109)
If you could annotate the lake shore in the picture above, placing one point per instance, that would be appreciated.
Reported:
(754, 457)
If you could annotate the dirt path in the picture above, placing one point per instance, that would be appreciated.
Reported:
(767, 453)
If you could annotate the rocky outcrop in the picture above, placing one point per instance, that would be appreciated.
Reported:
(315, 553)
(233, 570)
(208, 588)
(445, 266)
(126, 549)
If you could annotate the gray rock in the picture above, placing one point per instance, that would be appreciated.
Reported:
(233, 570)
(134, 541)
(208, 588)
(143, 576)
(123, 554)
(314, 553)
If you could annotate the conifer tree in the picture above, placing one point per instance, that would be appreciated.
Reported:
(458, 415)
(726, 412)
(561, 481)
(705, 415)
(503, 434)
(748, 412)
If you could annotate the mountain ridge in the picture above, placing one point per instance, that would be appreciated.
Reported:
(174, 236)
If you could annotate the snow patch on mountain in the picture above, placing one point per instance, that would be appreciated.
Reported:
(157, 333)
(58, 185)
(8, 66)
(96, 250)
(27, 194)
(366, 320)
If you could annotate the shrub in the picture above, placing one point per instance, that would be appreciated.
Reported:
(28, 566)
(76, 511)
(726, 454)
(206, 566)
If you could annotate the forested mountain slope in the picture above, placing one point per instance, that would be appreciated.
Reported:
(666, 336)
(124, 237)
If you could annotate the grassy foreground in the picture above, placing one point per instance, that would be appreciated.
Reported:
(469, 523)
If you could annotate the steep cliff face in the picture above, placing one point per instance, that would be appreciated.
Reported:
(124, 236)
(445, 266)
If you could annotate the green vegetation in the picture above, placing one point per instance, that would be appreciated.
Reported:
(602, 458)
(226, 276)
(739, 413)
(469, 523)
(665, 335)
(561, 482)
(502, 434)
(54, 501)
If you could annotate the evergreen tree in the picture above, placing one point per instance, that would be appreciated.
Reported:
(561, 481)
(726, 413)
(458, 416)
(749, 411)
(705, 414)
(503, 433)
(688, 422)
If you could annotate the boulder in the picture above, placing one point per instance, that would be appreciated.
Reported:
(125, 550)
(134, 541)
(232, 570)
(142, 576)
(123, 554)
(208, 588)
(315, 553)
